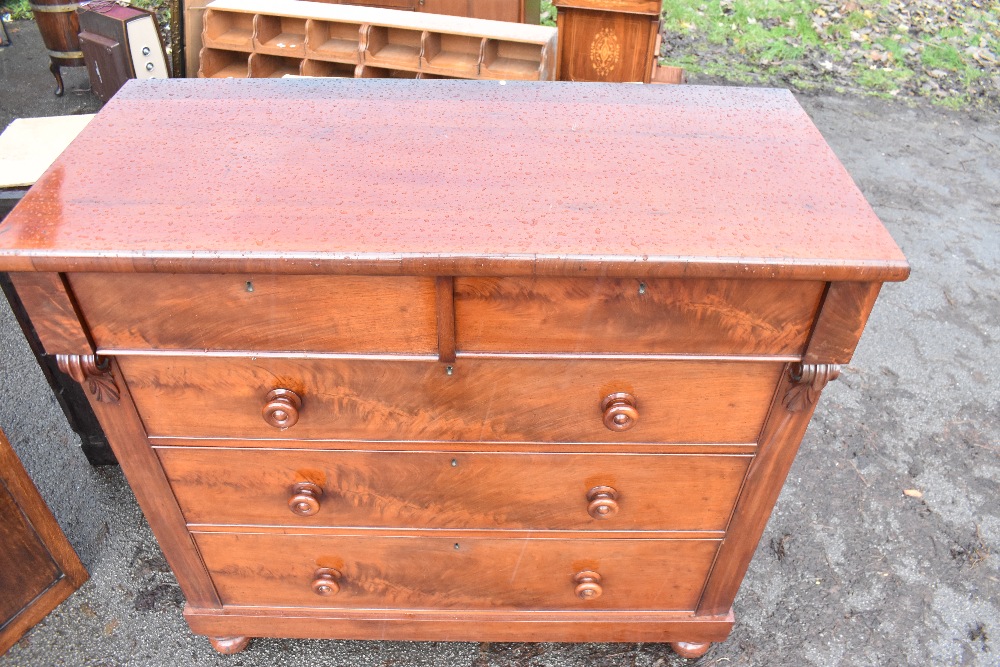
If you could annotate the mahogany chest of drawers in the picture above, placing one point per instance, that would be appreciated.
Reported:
(452, 360)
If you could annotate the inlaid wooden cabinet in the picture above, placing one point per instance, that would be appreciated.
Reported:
(531, 367)
(608, 40)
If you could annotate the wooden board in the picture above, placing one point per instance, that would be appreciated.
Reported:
(30, 145)
(458, 25)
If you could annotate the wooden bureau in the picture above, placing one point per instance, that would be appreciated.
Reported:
(515, 362)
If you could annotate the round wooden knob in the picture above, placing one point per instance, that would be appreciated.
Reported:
(281, 409)
(603, 502)
(305, 499)
(588, 585)
(620, 413)
(326, 582)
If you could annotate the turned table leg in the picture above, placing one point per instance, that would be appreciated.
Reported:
(229, 645)
(690, 649)
(57, 73)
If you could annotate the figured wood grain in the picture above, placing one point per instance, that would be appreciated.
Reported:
(392, 572)
(443, 625)
(555, 400)
(793, 407)
(841, 320)
(259, 312)
(454, 489)
(53, 314)
(127, 437)
(781, 205)
(38, 567)
(624, 315)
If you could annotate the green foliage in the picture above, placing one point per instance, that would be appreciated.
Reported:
(548, 14)
(18, 9)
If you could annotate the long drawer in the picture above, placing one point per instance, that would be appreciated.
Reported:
(475, 399)
(456, 572)
(454, 489)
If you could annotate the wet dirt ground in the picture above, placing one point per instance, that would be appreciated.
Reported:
(851, 571)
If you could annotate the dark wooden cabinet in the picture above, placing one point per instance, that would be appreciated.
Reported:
(70, 396)
(533, 369)
(38, 568)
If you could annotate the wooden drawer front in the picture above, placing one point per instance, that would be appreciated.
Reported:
(522, 400)
(619, 315)
(367, 314)
(455, 489)
(457, 572)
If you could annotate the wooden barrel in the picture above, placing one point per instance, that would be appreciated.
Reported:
(60, 28)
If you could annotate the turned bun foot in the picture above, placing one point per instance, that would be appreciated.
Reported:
(690, 649)
(229, 645)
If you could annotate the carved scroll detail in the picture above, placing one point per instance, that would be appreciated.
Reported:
(809, 380)
(92, 371)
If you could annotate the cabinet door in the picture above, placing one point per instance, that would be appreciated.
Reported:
(38, 568)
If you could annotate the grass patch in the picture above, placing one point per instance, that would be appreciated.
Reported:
(883, 80)
(942, 56)
(923, 48)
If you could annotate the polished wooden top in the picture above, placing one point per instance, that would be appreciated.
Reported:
(437, 177)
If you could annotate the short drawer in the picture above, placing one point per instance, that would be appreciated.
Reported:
(454, 489)
(456, 572)
(473, 400)
(620, 315)
(360, 314)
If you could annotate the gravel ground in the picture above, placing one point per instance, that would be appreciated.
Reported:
(851, 571)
